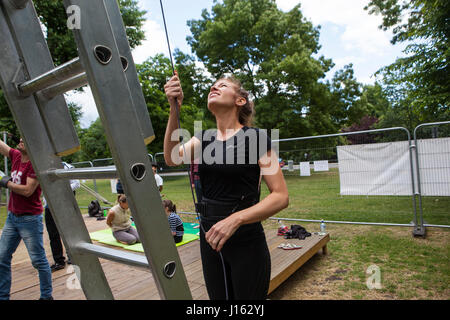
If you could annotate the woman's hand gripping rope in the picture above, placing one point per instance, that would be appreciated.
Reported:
(174, 92)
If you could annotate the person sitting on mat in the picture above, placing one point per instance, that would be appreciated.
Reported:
(119, 220)
(175, 222)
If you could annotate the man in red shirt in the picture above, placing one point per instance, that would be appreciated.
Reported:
(24, 221)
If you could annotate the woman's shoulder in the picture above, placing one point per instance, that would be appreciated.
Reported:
(258, 129)
(259, 132)
(245, 128)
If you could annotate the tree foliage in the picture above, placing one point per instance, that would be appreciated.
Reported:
(93, 142)
(60, 39)
(153, 75)
(418, 84)
(63, 48)
(275, 54)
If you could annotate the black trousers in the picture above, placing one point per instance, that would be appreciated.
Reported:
(178, 239)
(246, 260)
(55, 240)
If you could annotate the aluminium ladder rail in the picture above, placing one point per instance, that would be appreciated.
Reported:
(33, 88)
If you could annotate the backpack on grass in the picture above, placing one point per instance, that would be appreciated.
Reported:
(94, 209)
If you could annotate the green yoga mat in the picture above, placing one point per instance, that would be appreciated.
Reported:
(105, 236)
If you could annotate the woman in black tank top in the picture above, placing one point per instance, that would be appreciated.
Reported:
(233, 157)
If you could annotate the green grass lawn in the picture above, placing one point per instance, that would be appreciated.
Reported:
(411, 268)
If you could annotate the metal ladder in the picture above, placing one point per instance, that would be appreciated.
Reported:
(34, 89)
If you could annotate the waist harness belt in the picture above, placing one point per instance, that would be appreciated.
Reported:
(209, 208)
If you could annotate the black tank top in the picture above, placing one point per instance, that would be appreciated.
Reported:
(229, 169)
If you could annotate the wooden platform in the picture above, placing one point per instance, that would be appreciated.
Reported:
(131, 283)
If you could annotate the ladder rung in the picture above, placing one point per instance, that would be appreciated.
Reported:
(64, 86)
(109, 172)
(61, 73)
(128, 258)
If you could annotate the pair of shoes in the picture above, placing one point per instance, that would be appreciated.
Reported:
(289, 246)
(282, 231)
(49, 298)
(57, 266)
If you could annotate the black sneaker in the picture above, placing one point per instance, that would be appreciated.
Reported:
(57, 266)
(50, 298)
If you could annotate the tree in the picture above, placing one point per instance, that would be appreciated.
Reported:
(365, 123)
(375, 99)
(346, 93)
(63, 48)
(6, 120)
(153, 75)
(272, 53)
(8, 124)
(422, 78)
(60, 39)
(196, 86)
(93, 142)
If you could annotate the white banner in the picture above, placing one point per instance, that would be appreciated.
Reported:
(113, 183)
(434, 166)
(305, 169)
(291, 165)
(321, 165)
(385, 169)
(375, 169)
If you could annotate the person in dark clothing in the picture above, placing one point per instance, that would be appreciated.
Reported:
(235, 256)
(119, 187)
(55, 239)
(55, 242)
(195, 179)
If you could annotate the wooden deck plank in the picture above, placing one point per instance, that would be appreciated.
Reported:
(296, 259)
(131, 283)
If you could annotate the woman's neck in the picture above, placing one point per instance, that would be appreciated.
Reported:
(227, 126)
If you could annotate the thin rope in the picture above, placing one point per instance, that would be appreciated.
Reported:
(184, 153)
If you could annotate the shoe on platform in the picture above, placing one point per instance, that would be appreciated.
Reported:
(57, 266)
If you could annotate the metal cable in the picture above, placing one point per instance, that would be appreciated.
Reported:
(184, 153)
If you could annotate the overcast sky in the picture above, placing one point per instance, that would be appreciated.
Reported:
(348, 35)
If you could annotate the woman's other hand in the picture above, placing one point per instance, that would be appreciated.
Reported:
(219, 233)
